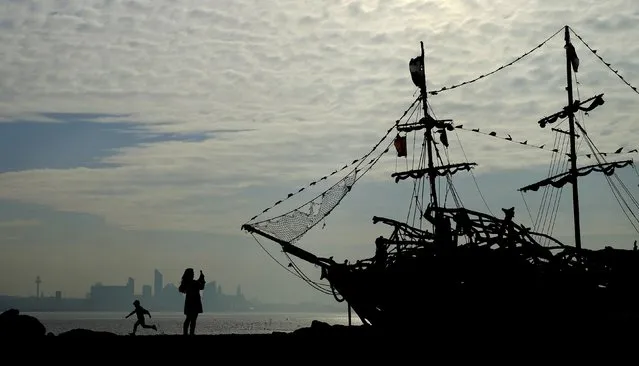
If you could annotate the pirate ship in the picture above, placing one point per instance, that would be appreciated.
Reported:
(447, 262)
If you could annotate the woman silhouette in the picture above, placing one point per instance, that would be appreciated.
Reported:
(192, 301)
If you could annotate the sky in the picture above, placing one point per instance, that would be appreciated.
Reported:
(137, 135)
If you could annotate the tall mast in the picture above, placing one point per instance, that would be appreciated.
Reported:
(571, 176)
(573, 154)
(429, 136)
(418, 75)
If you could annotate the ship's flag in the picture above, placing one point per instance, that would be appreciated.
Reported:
(572, 56)
(416, 67)
(400, 145)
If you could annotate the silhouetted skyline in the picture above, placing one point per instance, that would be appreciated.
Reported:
(164, 297)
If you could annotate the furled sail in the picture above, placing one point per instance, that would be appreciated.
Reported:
(560, 180)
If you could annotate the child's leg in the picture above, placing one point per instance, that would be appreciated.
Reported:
(144, 325)
(135, 326)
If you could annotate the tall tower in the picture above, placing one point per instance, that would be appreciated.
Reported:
(157, 283)
(130, 285)
(38, 282)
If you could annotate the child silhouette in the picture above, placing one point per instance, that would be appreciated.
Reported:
(140, 312)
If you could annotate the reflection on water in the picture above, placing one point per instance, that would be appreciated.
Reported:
(171, 323)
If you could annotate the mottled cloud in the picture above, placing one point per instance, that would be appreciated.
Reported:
(311, 86)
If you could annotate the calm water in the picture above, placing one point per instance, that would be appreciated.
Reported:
(171, 323)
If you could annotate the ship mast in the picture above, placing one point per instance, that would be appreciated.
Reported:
(431, 126)
(573, 154)
(429, 136)
(571, 176)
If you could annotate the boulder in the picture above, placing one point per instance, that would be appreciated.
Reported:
(80, 332)
(14, 324)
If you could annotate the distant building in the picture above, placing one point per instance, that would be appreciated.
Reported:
(170, 300)
(215, 300)
(58, 295)
(157, 283)
(108, 298)
(210, 298)
(146, 291)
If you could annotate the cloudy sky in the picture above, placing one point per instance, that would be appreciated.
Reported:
(137, 135)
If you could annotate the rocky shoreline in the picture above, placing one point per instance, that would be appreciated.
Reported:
(14, 324)
(320, 342)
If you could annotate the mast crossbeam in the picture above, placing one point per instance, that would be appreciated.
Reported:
(426, 122)
(597, 100)
(435, 170)
(560, 180)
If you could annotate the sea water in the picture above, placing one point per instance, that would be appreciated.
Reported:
(171, 322)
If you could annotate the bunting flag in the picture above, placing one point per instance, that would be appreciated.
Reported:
(509, 138)
(502, 67)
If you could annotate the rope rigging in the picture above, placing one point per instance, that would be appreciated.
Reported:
(596, 154)
(502, 67)
(613, 187)
(359, 161)
(608, 65)
(551, 196)
(451, 187)
(418, 184)
(558, 153)
(297, 271)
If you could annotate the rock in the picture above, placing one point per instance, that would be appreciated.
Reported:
(11, 313)
(319, 328)
(14, 324)
(318, 325)
(79, 332)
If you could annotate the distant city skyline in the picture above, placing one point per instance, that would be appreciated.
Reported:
(160, 297)
(156, 286)
(107, 297)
